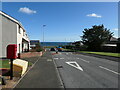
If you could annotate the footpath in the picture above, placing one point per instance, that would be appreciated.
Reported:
(43, 74)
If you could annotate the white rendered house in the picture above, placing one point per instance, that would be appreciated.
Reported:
(12, 33)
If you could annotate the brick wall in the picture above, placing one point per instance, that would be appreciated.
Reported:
(30, 54)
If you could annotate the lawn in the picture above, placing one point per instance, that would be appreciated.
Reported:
(4, 64)
(103, 53)
(30, 64)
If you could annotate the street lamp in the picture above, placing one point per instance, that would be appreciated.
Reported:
(43, 32)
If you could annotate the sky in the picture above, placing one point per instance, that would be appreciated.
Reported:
(65, 21)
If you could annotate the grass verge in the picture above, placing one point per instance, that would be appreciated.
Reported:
(30, 64)
(102, 53)
(67, 49)
(5, 64)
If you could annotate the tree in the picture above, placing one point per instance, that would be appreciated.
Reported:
(37, 45)
(94, 37)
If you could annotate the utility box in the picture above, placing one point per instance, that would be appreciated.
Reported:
(12, 51)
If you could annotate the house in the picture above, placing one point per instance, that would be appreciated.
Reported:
(77, 43)
(33, 43)
(111, 45)
(13, 33)
(118, 45)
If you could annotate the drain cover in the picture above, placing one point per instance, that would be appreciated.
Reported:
(59, 66)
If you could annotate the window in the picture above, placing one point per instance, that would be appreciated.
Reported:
(23, 33)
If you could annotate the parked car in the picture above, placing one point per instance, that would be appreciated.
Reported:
(52, 49)
(59, 48)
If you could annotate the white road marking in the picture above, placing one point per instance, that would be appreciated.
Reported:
(61, 58)
(109, 70)
(84, 60)
(60, 53)
(55, 58)
(75, 66)
(49, 60)
(67, 53)
(78, 58)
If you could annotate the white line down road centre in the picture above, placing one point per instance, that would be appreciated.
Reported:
(75, 65)
(61, 58)
(56, 58)
(109, 70)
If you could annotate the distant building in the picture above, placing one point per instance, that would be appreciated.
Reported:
(111, 45)
(77, 43)
(13, 33)
(118, 45)
(33, 43)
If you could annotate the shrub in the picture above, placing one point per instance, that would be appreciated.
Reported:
(39, 50)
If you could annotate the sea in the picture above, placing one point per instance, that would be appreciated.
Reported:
(54, 43)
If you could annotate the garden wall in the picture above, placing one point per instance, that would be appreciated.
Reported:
(29, 54)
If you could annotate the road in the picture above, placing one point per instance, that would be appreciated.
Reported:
(81, 71)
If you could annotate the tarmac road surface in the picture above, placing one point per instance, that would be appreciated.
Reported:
(81, 71)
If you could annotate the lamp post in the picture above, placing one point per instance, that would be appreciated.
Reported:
(43, 32)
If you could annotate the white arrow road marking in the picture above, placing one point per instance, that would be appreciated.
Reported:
(109, 70)
(71, 63)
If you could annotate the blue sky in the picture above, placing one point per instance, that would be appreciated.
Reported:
(64, 21)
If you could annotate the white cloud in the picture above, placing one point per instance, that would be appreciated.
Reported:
(27, 10)
(94, 15)
(115, 29)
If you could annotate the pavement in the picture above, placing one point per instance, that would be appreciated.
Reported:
(43, 74)
(82, 71)
(31, 59)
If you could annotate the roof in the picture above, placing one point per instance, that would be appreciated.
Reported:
(33, 42)
(113, 39)
(11, 18)
(76, 42)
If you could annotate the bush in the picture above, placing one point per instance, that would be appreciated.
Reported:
(39, 50)
(69, 46)
(83, 48)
